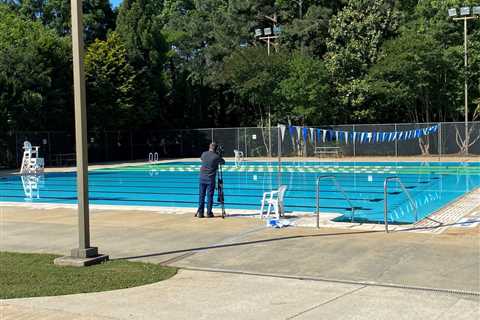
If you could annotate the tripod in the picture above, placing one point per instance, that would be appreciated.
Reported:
(221, 196)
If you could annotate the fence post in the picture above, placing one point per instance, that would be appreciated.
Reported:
(106, 145)
(354, 143)
(246, 148)
(396, 143)
(49, 141)
(439, 140)
(16, 149)
(279, 151)
(212, 136)
(269, 139)
(238, 138)
(131, 145)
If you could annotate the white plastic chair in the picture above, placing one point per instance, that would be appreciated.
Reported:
(274, 201)
(238, 157)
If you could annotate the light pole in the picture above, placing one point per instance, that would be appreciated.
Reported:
(267, 35)
(85, 254)
(300, 16)
(466, 13)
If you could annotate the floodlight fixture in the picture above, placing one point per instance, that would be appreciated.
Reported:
(258, 32)
(267, 31)
(476, 10)
(452, 12)
(464, 11)
(277, 30)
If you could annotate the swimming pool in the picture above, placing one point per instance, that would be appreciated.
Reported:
(175, 184)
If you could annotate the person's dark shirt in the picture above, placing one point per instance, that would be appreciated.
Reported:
(210, 162)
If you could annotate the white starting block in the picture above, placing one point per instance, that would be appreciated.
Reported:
(31, 162)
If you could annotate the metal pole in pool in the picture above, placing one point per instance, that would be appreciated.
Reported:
(85, 254)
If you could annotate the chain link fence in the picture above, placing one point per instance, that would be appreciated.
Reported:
(448, 140)
(58, 148)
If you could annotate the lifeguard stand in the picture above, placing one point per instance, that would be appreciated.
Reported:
(31, 162)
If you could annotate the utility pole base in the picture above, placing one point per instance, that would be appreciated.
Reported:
(81, 258)
(84, 252)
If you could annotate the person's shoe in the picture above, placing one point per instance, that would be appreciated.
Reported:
(210, 215)
(200, 215)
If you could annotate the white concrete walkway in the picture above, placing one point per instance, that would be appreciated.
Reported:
(211, 295)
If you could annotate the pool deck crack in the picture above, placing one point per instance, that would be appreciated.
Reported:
(326, 302)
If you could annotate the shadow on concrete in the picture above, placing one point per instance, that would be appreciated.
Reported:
(245, 243)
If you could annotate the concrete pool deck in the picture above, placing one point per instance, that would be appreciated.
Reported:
(238, 269)
(207, 295)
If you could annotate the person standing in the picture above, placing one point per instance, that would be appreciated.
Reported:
(208, 172)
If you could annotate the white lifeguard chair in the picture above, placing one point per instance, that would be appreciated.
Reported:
(238, 157)
(274, 201)
(31, 162)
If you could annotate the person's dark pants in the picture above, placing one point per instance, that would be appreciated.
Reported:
(207, 187)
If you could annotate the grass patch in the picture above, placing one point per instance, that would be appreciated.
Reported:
(32, 275)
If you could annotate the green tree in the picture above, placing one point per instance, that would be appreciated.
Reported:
(139, 26)
(35, 75)
(309, 31)
(254, 78)
(356, 35)
(410, 79)
(305, 91)
(112, 86)
(98, 16)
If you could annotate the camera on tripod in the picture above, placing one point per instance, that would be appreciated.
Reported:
(220, 150)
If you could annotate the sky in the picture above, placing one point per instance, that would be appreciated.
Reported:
(115, 3)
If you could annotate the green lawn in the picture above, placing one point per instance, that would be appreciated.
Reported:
(33, 275)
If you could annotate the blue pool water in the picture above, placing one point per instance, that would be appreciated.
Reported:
(432, 186)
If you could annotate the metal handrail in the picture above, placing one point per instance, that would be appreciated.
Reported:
(385, 197)
(339, 188)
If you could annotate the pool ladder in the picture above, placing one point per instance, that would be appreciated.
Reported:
(153, 157)
(385, 198)
(339, 188)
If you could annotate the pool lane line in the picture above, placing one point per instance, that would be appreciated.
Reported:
(261, 190)
(237, 180)
(287, 165)
(195, 194)
(158, 184)
(159, 181)
(444, 170)
(194, 203)
(269, 185)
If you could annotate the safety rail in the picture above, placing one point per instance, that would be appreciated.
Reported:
(385, 198)
(339, 188)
